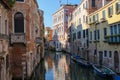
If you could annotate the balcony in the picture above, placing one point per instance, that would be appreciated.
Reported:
(103, 20)
(38, 40)
(113, 39)
(3, 36)
(18, 38)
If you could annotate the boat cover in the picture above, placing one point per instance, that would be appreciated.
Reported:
(116, 77)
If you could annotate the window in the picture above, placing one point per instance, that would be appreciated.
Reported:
(86, 4)
(74, 36)
(86, 32)
(83, 6)
(19, 23)
(115, 32)
(110, 54)
(20, 0)
(117, 8)
(115, 29)
(83, 33)
(119, 32)
(110, 11)
(6, 27)
(79, 9)
(0, 25)
(98, 34)
(79, 20)
(7, 61)
(111, 30)
(105, 53)
(90, 20)
(93, 3)
(90, 35)
(118, 28)
(105, 32)
(96, 17)
(79, 34)
(95, 35)
(103, 14)
(84, 18)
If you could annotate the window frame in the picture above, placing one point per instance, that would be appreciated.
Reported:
(117, 7)
(20, 1)
(110, 11)
(0, 24)
(105, 53)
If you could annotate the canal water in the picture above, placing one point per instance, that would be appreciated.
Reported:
(58, 66)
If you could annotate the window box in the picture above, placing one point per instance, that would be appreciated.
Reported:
(117, 8)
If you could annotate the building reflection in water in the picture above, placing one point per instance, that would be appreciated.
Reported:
(39, 73)
(57, 65)
(49, 66)
(61, 68)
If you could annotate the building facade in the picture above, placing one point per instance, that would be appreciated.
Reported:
(48, 37)
(42, 30)
(26, 41)
(104, 36)
(79, 26)
(4, 41)
(60, 26)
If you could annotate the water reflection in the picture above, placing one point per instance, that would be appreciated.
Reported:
(58, 66)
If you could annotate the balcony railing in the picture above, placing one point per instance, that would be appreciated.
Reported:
(3, 36)
(113, 39)
(103, 20)
(38, 40)
(18, 38)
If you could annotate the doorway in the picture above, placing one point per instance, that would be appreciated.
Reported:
(100, 57)
(116, 61)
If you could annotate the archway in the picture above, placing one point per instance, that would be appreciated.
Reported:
(18, 23)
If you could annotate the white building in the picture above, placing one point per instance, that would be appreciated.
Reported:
(60, 26)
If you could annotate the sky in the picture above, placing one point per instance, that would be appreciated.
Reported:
(50, 7)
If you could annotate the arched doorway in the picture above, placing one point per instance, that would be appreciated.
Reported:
(18, 23)
(116, 61)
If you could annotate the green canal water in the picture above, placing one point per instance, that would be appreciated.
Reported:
(59, 66)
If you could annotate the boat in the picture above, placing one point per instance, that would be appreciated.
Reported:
(58, 50)
(74, 57)
(103, 71)
(84, 62)
(116, 77)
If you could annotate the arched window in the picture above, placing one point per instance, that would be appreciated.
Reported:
(19, 23)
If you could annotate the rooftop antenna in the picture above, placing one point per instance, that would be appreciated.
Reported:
(60, 2)
(67, 1)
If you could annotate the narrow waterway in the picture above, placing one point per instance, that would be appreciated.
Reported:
(58, 66)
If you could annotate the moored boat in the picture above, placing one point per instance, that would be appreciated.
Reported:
(75, 57)
(103, 71)
(84, 62)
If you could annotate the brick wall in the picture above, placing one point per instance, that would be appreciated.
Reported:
(17, 59)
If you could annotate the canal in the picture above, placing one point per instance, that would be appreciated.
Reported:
(58, 66)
